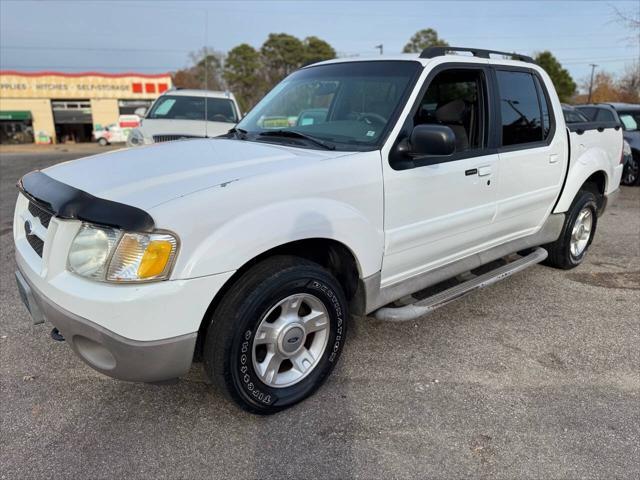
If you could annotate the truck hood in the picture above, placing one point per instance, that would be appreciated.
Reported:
(189, 128)
(145, 177)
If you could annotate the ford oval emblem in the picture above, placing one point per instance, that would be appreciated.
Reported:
(293, 339)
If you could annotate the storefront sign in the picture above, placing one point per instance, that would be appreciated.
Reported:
(86, 85)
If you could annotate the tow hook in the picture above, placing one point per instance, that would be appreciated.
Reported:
(56, 335)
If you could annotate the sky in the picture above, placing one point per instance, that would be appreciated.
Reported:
(156, 36)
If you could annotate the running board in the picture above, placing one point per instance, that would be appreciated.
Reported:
(428, 305)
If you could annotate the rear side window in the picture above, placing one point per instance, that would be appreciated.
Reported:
(589, 112)
(520, 110)
(604, 115)
(545, 107)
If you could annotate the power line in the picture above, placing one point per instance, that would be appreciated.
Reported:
(94, 49)
(169, 68)
(171, 50)
(88, 67)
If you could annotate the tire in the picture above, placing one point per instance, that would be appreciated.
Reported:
(103, 142)
(262, 300)
(631, 172)
(561, 254)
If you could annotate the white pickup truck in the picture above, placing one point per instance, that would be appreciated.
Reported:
(353, 184)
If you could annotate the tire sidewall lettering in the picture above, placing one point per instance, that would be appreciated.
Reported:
(247, 378)
(335, 301)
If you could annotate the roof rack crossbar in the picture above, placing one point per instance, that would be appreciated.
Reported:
(432, 52)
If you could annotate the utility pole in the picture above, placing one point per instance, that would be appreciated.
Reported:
(380, 47)
(593, 68)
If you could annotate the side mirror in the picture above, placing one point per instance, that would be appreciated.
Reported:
(437, 140)
(141, 112)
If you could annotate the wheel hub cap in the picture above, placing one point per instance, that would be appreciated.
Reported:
(290, 340)
(581, 232)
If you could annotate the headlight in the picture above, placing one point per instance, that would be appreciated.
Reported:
(107, 254)
(90, 251)
(135, 138)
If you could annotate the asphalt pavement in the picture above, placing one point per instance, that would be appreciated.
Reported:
(535, 377)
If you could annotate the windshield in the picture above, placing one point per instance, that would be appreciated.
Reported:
(350, 105)
(630, 120)
(179, 107)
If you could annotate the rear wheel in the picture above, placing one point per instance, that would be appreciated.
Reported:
(577, 233)
(631, 172)
(103, 142)
(276, 334)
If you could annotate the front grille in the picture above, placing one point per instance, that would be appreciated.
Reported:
(33, 239)
(36, 243)
(43, 215)
(172, 138)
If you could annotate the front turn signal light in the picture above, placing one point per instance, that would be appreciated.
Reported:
(155, 259)
(141, 257)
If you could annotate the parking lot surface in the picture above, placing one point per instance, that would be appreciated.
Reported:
(535, 377)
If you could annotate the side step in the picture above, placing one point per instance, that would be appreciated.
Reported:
(428, 305)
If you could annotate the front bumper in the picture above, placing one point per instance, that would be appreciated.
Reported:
(106, 351)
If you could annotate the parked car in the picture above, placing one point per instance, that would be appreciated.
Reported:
(629, 116)
(573, 115)
(251, 251)
(630, 173)
(116, 132)
(179, 114)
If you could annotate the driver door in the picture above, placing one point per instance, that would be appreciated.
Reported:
(441, 209)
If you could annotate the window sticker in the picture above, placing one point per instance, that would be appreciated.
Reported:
(164, 107)
(306, 121)
(371, 133)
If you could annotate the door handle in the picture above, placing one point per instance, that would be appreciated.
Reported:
(484, 171)
(553, 158)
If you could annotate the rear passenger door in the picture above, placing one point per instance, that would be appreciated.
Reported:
(532, 152)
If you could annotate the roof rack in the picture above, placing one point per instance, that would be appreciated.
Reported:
(432, 52)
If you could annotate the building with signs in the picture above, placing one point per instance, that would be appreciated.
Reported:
(54, 107)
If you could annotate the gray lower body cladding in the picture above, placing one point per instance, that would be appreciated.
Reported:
(108, 352)
(376, 297)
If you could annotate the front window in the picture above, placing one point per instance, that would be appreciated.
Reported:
(348, 105)
(181, 107)
(456, 98)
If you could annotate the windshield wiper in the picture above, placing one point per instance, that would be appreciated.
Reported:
(296, 134)
(239, 133)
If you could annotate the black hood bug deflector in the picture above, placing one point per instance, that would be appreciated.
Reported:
(65, 201)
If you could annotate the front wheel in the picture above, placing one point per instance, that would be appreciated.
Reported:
(577, 233)
(103, 142)
(276, 334)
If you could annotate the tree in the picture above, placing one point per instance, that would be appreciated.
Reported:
(422, 39)
(562, 81)
(629, 20)
(629, 84)
(317, 50)
(604, 89)
(281, 55)
(205, 71)
(242, 71)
